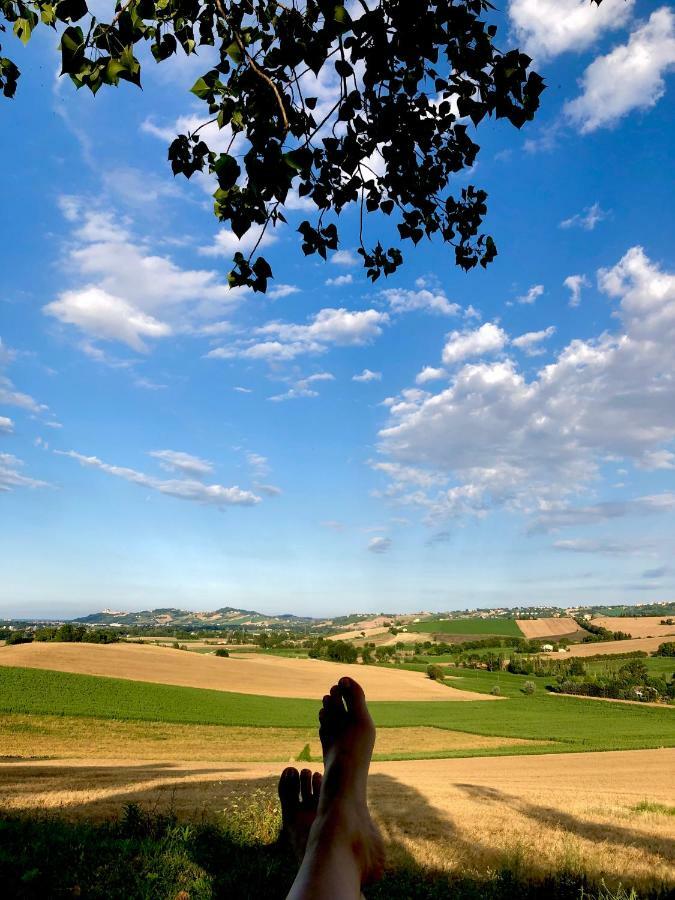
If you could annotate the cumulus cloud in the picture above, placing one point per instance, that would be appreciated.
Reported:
(282, 290)
(284, 340)
(11, 476)
(529, 297)
(183, 463)
(182, 488)
(575, 283)
(344, 258)
(547, 28)
(368, 375)
(125, 292)
(587, 219)
(630, 77)
(425, 300)
(379, 544)
(530, 444)
(430, 373)
(226, 243)
(489, 338)
(6, 425)
(340, 280)
(530, 341)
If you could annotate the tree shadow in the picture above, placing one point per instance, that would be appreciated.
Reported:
(604, 832)
(175, 841)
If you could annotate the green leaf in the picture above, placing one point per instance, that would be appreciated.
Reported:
(23, 30)
(200, 89)
(234, 52)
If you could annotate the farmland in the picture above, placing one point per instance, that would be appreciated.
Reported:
(488, 796)
(554, 628)
(470, 626)
(637, 626)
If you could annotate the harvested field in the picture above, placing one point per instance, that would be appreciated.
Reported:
(270, 676)
(636, 626)
(550, 627)
(45, 737)
(606, 648)
(457, 815)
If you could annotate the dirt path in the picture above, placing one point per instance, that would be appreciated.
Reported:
(271, 676)
(546, 811)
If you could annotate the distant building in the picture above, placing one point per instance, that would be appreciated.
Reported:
(547, 648)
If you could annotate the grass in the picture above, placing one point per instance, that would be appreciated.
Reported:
(656, 665)
(504, 627)
(143, 856)
(649, 806)
(574, 723)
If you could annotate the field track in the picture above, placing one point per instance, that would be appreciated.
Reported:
(270, 676)
(606, 648)
(637, 626)
(449, 814)
(550, 627)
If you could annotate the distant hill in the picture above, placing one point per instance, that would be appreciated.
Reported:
(226, 617)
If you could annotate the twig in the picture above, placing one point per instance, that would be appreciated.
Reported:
(254, 67)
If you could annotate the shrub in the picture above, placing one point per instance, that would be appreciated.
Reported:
(221, 651)
(529, 687)
(304, 755)
(496, 691)
(666, 649)
(435, 673)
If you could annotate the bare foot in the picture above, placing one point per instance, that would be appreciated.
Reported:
(347, 734)
(299, 796)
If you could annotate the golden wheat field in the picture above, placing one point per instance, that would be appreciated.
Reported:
(271, 676)
(575, 812)
(637, 626)
(549, 627)
(42, 737)
(607, 648)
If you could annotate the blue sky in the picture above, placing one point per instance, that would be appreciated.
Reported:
(434, 441)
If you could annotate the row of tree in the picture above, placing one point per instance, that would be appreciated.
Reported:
(631, 682)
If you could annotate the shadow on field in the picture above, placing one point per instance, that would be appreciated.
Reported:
(156, 831)
(599, 832)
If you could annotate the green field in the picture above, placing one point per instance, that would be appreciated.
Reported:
(656, 665)
(575, 723)
(503, 627)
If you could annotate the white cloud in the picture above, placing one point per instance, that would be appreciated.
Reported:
(402, 301)
(629, 78)
(531, 295)
(301, 387)
(183, 463)
(105, 316)
(532, 444)
(226, 243)
(11, 476)
(547, 28)
(587, 219)
(258, 463)
(128, 294)
(379, 544)
(6, 425)
(9, 396)
(285, 341)
(561, 514)
(282, 290)
(182, 488)
(489, 338)
(530, 341)
(602, 547)
(340, 280)
(344, 258)
(430, 373)
(242, 390)
(368, 375)
(575, 283)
